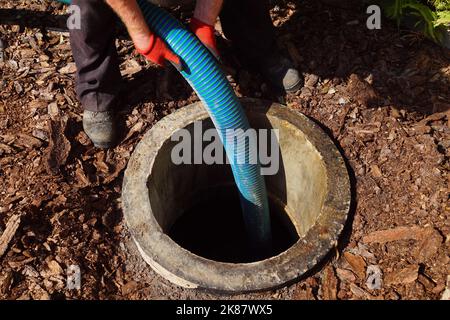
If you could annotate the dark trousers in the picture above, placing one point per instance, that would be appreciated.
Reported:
(246, 23)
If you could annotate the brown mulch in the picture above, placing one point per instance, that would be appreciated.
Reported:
(383, 95)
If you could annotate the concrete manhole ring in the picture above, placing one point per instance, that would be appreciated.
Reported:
(313, 186)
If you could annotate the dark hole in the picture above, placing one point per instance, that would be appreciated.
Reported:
(214, 229)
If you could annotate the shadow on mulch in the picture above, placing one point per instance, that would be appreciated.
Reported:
(335, 43)
(33, 19)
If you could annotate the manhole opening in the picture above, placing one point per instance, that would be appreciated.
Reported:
(214, 228)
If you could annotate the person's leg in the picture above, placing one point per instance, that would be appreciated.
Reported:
(248, 25)
(93, 48)
(98, 75)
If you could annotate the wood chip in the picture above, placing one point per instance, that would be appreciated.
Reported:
(329, 284)
(426, 281)
(345, 275)
(53, 269)
(27, 141)
(429, 239)
(357, 264)
(429, 245)
(136, 128)
(81, 178)
(129, 287)
(119, 167)
(363, 251)
(38, 293)
(376, 171)
(59, 147)
(403, 276)
(6, 279)
(19, 264)
(4, 148)
(10, 230)
(360, 293)
(53, 109)
(100, 164)
(303, 294)
(361, 91)
(29, 271)
(311, 80)
(395, 234)
(446, 293)
(68, 69)
(130, 67)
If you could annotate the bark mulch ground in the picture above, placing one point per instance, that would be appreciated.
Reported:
(382, 95)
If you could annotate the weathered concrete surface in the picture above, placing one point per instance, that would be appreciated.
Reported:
(312, 184)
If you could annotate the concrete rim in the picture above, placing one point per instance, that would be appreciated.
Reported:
(170, 260)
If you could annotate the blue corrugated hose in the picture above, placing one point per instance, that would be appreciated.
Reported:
(207, 79)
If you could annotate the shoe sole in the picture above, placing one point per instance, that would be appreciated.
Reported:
(103, 145)
(295, 87)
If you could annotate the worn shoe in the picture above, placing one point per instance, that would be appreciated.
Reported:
(100, 128)
(281, 73)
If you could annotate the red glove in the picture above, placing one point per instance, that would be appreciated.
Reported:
(158, 52)
(205, 33)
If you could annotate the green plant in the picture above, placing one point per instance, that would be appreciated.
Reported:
(440, 5)
(431, 17)
(443, 18)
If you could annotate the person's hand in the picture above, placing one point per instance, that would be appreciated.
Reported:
(157, 52)
(205, 33)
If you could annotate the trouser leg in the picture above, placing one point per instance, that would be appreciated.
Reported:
(248, 25)
(93, 48)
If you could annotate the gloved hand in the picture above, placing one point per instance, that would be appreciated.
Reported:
(205, 33)
(158, 52)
